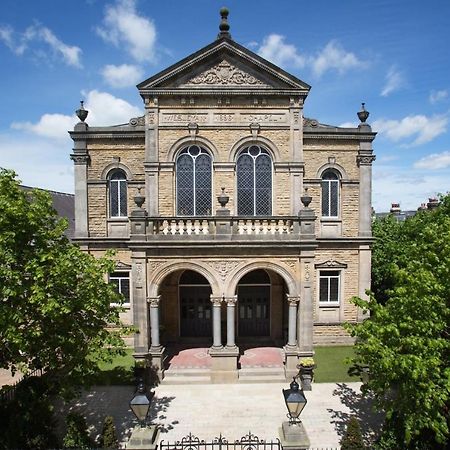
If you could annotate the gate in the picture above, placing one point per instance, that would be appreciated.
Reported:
(247, 442)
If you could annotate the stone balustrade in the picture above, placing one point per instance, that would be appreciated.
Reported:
(236, 227)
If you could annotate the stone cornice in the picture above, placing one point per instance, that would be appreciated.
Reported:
(336, 134)
(108, 133)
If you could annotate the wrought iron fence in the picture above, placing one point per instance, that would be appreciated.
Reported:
(247, 442)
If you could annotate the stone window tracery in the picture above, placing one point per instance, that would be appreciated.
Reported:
(254, 182)
(194, 182)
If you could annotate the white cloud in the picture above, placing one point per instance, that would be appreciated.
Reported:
(39, 162)
(122, 76)
(123, 25)
(394, 81)
(438, 96)
(333, 56)
(405, 185)
(53, 126)
(20, 42)
(435, 161)
(277, 51)
(104, 109)
(348, 125)
(424, 129)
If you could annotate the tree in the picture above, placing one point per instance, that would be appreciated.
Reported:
(352, 439)
(108, 438)
(77, 435)
(55, 309)
(405, 342)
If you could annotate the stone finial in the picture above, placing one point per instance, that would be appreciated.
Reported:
(363, 114)
(223, 198)
(305, 198)
(82, 113)
(224, 26)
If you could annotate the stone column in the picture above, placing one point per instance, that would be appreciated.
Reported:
(231, 311)
(364, 160)
(292, 330)
(151, 163)
(80, 158)
(153, 302)
(140, 313)
(217, 332)
(291, 348)
(305, 320)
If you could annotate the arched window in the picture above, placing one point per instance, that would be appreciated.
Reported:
(118, 194)
(254, 182)
(194, 182)
(330, 193)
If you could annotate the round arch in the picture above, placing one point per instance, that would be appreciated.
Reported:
(154, 282)
(336, 167)
(113, 166)
(236, 276)
(247, 141)
(188, 140)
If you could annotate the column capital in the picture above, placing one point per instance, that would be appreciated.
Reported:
(365, 160)
(292, 299)
(216, 301)
(80, 159)
(231, 301)
(154, 301)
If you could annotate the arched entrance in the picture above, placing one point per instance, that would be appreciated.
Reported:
(194, 293)
(254, 295)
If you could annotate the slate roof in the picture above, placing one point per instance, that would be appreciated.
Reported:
(64, 205)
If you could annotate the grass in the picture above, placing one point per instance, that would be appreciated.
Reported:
(118, 371)
(329, 361)
(331, 367)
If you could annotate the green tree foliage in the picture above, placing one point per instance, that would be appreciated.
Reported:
(108, 438)
(77, 435)
(406, 343)
(55, 300)
(352, 439)
(27, 422)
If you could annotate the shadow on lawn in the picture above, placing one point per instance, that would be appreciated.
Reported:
(359, 406)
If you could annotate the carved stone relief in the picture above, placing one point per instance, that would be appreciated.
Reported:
(225, 74)
(223, 268)
(292, 263)
(137, 121)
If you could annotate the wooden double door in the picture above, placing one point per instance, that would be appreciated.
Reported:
(253, 311)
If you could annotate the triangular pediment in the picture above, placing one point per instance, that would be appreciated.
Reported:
(224, 64)
(225, 73)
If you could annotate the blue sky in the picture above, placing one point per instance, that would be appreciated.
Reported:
(393, 55)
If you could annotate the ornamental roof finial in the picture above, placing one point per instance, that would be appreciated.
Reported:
(82, 113)
(363, 114)
(224, 26)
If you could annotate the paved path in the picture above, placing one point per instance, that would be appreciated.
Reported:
(233, 410)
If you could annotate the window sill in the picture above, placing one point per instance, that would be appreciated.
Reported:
(331, 219)
(118, 219)
(329, 305)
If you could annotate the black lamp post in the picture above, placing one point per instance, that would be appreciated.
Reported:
(295, 401)
(140, 403)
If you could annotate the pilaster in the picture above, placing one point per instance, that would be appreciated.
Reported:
(80, 158)
(151, 155)
(364, 160)
(140, 310)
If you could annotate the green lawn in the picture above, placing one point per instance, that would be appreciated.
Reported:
(329, 361)
(330, 364)
(119, 371)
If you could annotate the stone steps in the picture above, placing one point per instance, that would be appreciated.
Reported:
(262, 375)
(186, 376)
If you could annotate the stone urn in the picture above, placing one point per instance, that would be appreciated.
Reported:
(306, 373)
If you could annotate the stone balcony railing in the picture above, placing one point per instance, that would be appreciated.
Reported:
(222, 227)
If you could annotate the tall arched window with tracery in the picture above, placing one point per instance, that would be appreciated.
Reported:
(330, 193)
(194, 182)
(117, 182)
(254, 182)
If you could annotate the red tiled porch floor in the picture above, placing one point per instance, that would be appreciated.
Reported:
(199, 358)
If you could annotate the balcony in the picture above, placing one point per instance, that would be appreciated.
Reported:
(222, 228)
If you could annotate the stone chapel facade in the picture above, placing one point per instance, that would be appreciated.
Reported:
(235, 218)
